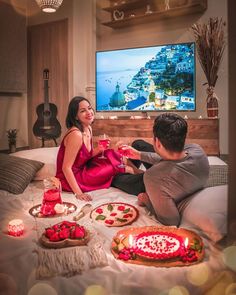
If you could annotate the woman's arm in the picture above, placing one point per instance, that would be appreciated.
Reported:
(73, 143)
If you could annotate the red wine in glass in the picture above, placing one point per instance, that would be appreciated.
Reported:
(104, 142)
(124, 153)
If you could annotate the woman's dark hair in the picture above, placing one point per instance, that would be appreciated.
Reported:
(171, 130)
(71, 117)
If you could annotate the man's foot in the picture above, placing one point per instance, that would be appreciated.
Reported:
(143, 199)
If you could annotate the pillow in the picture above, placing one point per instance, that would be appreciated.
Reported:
(206, 211)
(16, 173)
(218, 175)
(46, 155)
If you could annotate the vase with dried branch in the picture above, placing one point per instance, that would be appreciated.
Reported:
(210, 45)
(12, 135)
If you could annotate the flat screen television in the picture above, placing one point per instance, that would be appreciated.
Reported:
(154, 78)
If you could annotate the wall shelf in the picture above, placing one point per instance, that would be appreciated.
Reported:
(138, 7)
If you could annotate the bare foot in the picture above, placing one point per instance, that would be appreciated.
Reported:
(143, 199)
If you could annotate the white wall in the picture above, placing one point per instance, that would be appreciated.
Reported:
(173, 31)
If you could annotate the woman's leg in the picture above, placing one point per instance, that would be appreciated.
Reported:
(130, 183)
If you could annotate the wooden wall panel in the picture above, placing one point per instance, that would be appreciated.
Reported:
(47, 48)
(13, 50)
(202, 131)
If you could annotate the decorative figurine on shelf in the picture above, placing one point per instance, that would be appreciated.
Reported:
(118, 15)
(167, 4)
(12, 134)
(148, 10)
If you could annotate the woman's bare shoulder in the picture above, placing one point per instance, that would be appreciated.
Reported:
(73, 134)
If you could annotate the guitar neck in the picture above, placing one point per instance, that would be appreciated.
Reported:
(46, 96)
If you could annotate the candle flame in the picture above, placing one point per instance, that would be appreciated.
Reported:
(131, 240)
(186, 242)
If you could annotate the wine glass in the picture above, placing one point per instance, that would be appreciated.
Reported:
(104, 142)
(123, 153)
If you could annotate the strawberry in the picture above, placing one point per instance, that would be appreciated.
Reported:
(79, 232)
(49, 232)
(55, 237)
(64, 234)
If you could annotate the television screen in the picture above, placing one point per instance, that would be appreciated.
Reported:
(156, 78)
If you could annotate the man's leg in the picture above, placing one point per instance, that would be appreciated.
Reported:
(130, 183)
(143, 146)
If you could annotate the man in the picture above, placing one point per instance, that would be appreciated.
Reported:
(177, 170)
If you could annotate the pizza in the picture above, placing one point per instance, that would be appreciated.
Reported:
(115, 214)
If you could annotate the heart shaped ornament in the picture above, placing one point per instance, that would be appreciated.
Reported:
(118, 15)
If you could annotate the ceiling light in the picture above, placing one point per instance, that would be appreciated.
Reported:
(49, 5)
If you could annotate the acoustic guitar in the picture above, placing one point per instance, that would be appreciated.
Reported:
(47, 126)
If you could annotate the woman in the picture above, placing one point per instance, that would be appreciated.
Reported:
(78, 165)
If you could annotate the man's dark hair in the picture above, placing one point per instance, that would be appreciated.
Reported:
(71, 118)
(171, 130)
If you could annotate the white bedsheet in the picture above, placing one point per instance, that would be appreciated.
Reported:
(18, 259)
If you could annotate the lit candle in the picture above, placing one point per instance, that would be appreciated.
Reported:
(186, 243)
(15, 227)
(131, 240)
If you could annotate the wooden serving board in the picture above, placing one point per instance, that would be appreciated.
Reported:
(64, 243)
(123, 236)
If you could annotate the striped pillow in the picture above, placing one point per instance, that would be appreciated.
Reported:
(16, 173)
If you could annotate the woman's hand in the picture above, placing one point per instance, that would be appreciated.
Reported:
(83, 197)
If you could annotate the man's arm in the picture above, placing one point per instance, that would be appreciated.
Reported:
(151, 158)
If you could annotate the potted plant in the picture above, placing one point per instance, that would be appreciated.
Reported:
(12, 134)
(210, 45)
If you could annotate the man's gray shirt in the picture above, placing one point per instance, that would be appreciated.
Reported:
(168, 182)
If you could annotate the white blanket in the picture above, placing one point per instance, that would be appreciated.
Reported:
(19, 261)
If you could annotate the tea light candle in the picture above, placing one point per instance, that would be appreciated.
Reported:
(15, 227)
(186, 243)
(131, 240)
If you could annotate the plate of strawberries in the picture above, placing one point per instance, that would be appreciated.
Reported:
(65, 234)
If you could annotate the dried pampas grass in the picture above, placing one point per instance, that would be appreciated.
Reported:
(210, 45)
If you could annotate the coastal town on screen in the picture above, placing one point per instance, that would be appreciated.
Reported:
(145, 79)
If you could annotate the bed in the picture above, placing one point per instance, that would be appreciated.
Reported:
(20, 272)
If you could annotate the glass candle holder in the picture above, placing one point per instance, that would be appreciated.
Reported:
(16, 227)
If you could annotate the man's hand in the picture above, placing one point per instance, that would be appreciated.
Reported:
(130, 152)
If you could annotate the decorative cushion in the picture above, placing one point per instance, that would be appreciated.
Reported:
(206, 211)
(46, 155)
(218, 175)
(16, 173)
